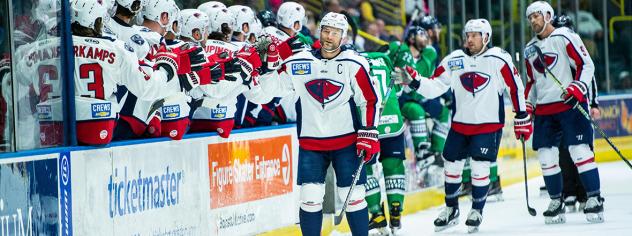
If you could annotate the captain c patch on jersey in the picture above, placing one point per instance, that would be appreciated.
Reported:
(455, 64)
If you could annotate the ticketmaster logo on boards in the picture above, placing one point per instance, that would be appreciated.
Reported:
(132, 192)
(243, 171)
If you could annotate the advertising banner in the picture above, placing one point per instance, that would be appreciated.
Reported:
(148, 189)
(250, 177)
(29, 196)
(616, 117)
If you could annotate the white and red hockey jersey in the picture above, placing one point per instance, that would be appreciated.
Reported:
(130, 34)
(566, 56)
(101, 64)
(477, 84)
(329, 93)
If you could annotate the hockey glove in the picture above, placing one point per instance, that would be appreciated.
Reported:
(367, 141)
(530, 109)
(247, 62)
(414, 77)
(400, 77)
(290, 47)
(575, 93)
(522, 126)
(273, 60)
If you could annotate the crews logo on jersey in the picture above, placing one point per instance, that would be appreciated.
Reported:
(324, 90)
(219, 112)
(44, 112)
(474, 82)
(170, 112)
(301, 68)
(101, 110)
(550, 59)
(455, 64)
(137, 39)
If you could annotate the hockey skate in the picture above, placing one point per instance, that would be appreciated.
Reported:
(570, 203)
(495, 191)
(474, 219)
(378, 222)
(555, 213)
(448, 217)
(395, 217)
(594, 209)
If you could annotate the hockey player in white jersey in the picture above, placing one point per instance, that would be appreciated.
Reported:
(556, 116)
(127, 32)
(243, 20)
(159, 16)
(477, 76)
(102, 64)
(337, 110)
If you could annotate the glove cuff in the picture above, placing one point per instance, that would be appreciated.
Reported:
(522, 121)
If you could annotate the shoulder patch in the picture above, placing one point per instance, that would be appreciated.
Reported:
(145, 29)
(455, 64)
(137, 39)
(129, 48)
(529, 51)
(301, 68)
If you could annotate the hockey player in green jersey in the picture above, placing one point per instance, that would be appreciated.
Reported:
(392, 145)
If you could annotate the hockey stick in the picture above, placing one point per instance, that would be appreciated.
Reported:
(356, 175)
(580, 108)
(531, 210)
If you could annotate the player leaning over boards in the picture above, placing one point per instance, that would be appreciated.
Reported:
(337, 113)
(477, 75)
(555, 114)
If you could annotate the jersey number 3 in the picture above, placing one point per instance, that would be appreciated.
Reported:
(97, 78)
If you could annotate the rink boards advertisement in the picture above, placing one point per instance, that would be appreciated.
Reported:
(29, 195)
(616, 117)
(250, 177)
(146, 189)
(198, 186)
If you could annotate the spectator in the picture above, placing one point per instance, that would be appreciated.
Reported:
(625, 80)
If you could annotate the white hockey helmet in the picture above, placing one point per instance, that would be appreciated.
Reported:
(335, 20)
(132, 5)
(155, 8)
(242, 15)
(209, 5)
(541, 7)
(193, 19)
(86, 12)
(290, 13)
(256, 29)
(218, 17)
(177, 20)
(481, 26)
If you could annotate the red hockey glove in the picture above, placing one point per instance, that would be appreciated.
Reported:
(247, 62)
(522, 127)
(290, 46)
(414, 83)
(273, 60)
(575, 93)
(530, 109)
(180, 61)
(368, 142)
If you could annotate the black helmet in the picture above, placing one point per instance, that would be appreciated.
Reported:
(267, 18)
(427, 22)
(562, 21)
(413, 31)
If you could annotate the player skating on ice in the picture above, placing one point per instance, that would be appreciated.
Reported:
(477, 76)
(561, 51)
(337, 113)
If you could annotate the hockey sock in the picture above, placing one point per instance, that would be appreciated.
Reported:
(554, 185)
(394, 179)
(440, 131)
(493, 172)
(452, 194)
(358, 222)
(590, 180)
(479, 196)
(311, 222)
(373, 195)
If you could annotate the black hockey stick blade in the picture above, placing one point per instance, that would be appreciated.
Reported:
(581, 109)
(531, 210)
(356, 177)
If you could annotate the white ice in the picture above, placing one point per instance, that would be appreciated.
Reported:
(510, 217)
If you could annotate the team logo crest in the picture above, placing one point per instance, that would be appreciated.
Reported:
(324, 90)
(474, 82)
(301, 69)
(549, 58)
